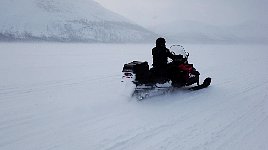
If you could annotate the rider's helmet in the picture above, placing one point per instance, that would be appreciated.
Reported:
(160, 42)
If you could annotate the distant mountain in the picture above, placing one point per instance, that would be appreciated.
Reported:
(251, 31)
(197, 32)
(66, 20)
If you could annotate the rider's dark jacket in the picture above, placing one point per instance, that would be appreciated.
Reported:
(160, 56)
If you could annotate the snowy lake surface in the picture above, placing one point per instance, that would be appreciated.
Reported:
(56, 96)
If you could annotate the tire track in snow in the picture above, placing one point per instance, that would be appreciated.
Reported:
(11, 92)
(216, 135)
(190, 132)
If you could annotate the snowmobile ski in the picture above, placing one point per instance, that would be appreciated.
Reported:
(205, 84)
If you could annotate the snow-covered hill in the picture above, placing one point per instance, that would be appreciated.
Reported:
(66, 20)
(70, 97)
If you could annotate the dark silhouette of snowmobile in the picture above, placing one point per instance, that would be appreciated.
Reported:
(178, 73)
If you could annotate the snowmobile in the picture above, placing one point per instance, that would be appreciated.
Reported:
(151, 82)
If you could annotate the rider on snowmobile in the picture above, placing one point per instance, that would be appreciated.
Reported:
(160, 58)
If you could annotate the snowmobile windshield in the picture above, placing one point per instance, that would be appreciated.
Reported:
(179, 50)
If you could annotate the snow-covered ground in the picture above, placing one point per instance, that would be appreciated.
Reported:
(70, 97)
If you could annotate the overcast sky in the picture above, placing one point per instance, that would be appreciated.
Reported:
(215, 12)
